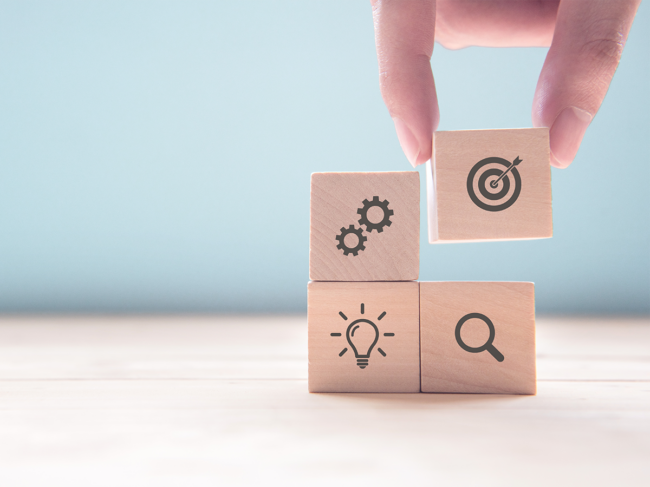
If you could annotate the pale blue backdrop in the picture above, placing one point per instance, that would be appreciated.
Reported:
(155, 157)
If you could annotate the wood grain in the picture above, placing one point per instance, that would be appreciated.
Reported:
(209, 400)
(393, 254)
(446, 367)
(454, 217)
(394, 362)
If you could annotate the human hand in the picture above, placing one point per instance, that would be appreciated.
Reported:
(586, 39)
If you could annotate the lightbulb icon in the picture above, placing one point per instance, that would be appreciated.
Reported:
(362, 335)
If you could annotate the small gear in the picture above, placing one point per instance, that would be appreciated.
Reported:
(364, 214)
(347, 231)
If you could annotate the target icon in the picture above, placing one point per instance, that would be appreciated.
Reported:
(494, 183)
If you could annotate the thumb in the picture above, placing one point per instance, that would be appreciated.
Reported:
(585, 52)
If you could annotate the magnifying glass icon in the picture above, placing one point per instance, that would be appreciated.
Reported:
(488, 344)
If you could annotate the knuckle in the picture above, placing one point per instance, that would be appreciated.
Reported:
(607, 50)
(605, 43)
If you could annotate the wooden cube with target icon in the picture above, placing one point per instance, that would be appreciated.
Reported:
(364, 336)
(489, 185)
(365, 226)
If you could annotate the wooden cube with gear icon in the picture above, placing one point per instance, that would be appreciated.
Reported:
(364, 337)
(478, 337)
(365, 226)
(489, 185)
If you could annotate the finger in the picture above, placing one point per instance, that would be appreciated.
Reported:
(587, 45)
(497, 23)
(404, 34)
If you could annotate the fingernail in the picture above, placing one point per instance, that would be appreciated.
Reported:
(566, 134)
(407, 140)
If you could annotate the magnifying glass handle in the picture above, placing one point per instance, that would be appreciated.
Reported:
(495, 353)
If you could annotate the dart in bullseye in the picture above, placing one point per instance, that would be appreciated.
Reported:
(516, 162)
(494, 183)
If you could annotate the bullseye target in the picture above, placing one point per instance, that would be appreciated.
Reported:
(494, 183)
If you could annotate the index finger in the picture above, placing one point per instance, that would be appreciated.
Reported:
(404, 36)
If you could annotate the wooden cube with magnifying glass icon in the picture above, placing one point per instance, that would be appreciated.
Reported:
(489, 185)
(478, 337)
(364, 337)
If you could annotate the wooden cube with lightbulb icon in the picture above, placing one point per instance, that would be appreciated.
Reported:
(364, 336)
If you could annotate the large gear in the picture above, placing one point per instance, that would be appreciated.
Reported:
(385, 222)
(347, 231)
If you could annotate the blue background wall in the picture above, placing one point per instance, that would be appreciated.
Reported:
(155, 156)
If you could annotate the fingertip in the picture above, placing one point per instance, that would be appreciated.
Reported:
(556, 163)
(408, 141)
(566, 135)
(425, 153)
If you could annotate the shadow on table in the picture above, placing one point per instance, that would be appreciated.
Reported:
(428, 400)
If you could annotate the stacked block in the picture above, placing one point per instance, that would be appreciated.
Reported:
(364, 226)
(372, 326)
(364, 337)
(477, 337)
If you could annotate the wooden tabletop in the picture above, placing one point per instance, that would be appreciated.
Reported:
(194, 401)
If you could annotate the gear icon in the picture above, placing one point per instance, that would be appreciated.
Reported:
(347, 231)
(364, 214)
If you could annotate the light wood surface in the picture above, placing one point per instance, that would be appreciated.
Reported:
(453, 215)
(392, 251)
(205, 401)
(360, 313)
(470, 308)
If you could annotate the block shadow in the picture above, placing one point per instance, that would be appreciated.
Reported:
(416, 400)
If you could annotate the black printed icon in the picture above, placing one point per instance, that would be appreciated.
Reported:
(360, 239)
(362, 336)
(488, 344)
(493, 188)
(375, 203)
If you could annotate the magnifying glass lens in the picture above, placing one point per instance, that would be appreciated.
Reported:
(475, 333)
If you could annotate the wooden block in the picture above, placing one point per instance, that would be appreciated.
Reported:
(460, 353)
(462, 203)
(365, 226)
(346, 319)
